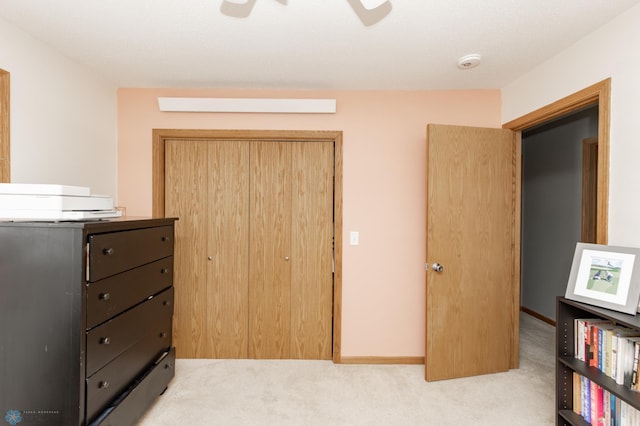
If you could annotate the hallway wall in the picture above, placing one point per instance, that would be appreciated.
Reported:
(552, 206)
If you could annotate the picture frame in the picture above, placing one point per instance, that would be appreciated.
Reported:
(606, 276)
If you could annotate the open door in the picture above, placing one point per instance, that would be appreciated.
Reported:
(471, 209)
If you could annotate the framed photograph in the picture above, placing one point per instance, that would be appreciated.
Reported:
(606, 276)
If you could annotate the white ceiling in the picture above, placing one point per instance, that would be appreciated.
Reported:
(310, 44)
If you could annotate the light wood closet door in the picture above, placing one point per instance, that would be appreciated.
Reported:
(254, 248)
(312, 250)
(270, 249)
(207, 188)
(291, 283)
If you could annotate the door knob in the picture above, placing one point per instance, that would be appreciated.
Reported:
(286, 258)
(437, 267)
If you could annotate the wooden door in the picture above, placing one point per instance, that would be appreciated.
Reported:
(183, 165)
(207, 184)
(291, 283)
(254, 247)
(312, 250)
(470, 233)
(270, 251)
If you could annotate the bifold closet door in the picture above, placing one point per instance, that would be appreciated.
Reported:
(290, 279)
(207, 188)
(270, 251)
(254, 248)
(312, 250)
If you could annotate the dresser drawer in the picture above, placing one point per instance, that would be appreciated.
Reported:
(130, 406)
(115, 336)
(110, 296)
(117, 376)
(116, 252)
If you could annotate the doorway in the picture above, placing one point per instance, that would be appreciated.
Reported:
(558, 198)
(161, 138)
(597, 95)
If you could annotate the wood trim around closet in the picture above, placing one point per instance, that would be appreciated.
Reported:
(158, 177)
(5, 133)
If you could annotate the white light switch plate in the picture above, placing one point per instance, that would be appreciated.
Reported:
(354, 238)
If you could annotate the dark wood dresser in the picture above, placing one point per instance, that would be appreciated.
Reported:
(86, 314)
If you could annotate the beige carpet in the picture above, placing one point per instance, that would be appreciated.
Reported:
(251, 392)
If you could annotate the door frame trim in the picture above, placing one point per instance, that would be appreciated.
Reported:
(600, 94)
(158, 175)
(5, 133)
(589, 183)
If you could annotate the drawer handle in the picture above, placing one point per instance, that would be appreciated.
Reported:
(105, 341)
(108, 251)
(163, 335)
(164, 270)
(103, 385)
(164, 239)
(104, 296)
(166, 303)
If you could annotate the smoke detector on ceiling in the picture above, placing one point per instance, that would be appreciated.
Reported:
(469, 61)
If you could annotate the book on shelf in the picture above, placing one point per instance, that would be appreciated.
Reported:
(586, 398)
(577, 393)
(615, 410)
(634, 382)
(593, 344)
(597, 410)
(606, 405)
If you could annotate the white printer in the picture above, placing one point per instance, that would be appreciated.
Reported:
(45, 202)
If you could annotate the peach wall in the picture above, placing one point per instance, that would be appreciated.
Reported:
(384, 189)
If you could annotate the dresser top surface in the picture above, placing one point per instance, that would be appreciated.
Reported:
(115, 224)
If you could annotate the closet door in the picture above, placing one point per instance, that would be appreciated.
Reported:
(270, 251)
(254, 248)
(291, 279)
(228, 232)
(183, 165)
(207, 187)
(312, 250)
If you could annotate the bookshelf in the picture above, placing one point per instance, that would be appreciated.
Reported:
(566, 362)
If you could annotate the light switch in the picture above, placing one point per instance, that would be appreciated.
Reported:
(354, 238)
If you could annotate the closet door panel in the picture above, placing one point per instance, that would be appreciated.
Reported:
(270, 251)
(228, 248)
(207, 188)
(186, 198)
(312, 250)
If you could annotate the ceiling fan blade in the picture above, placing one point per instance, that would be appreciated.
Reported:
(370, 16)
(237, 10)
